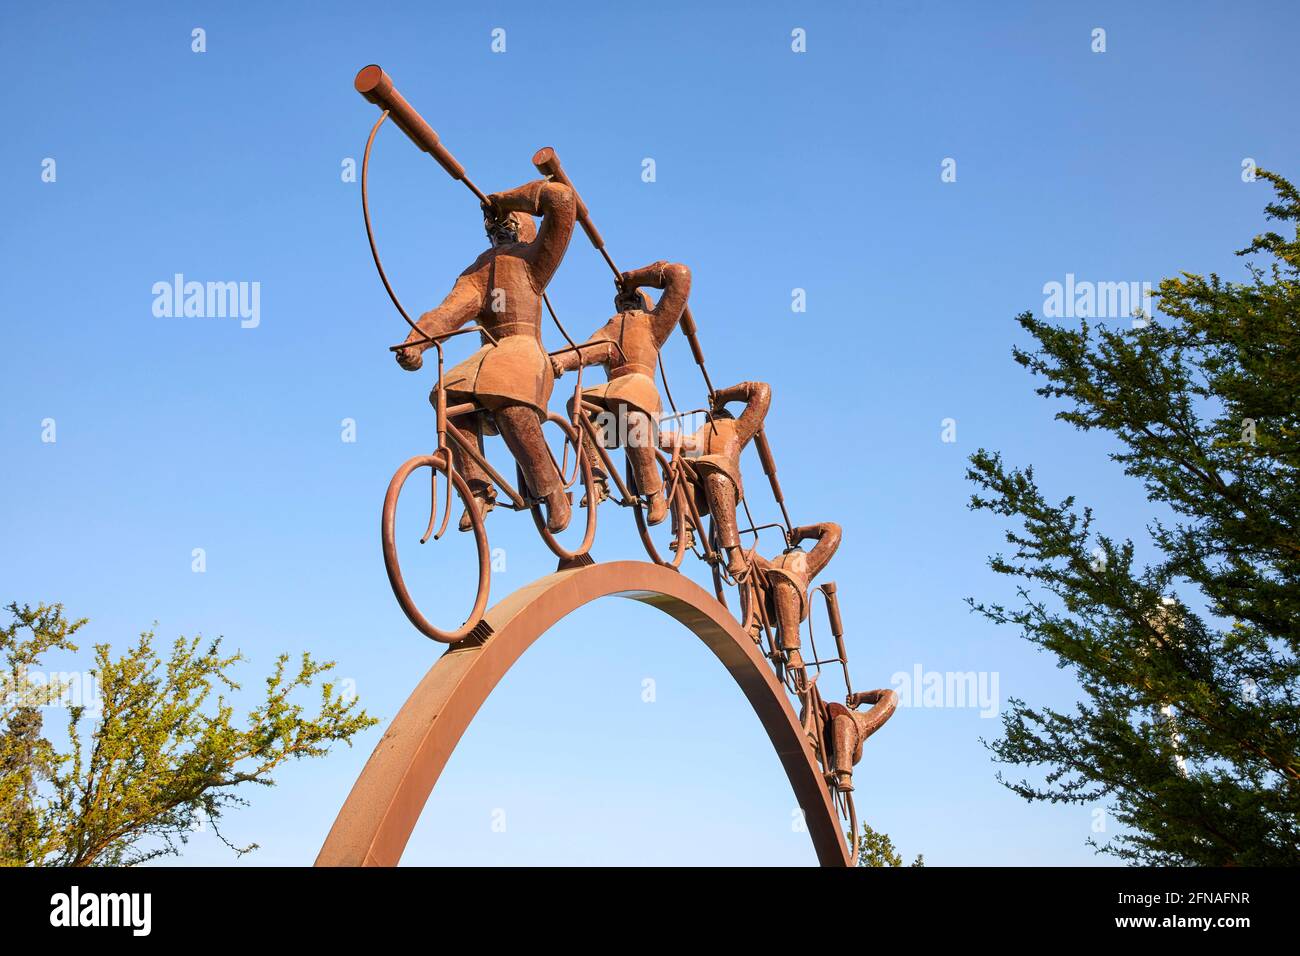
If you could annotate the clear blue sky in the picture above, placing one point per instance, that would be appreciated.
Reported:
(775, 171)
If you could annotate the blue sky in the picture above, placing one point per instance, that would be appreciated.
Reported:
(775, 171)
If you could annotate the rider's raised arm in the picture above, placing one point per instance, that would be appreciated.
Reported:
(461, 305)
(828, 535)
(884, 702)
(597, 350)
(675, 279)
(757, 397)
(558, 207)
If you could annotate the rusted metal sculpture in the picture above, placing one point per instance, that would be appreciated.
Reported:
(506, 383)
(510, 375)
(505, 388)
(715, 450)
(628, 346)
(783, 583)
(849, 730)
(377, 819)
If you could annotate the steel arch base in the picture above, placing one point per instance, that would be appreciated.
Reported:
(380, 813)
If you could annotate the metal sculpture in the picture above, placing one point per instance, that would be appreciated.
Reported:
(504, 388)
(716, 449)
(628, 346)
(510, 377)
(380, 812)
(782, 585)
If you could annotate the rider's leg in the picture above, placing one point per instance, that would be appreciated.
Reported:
(722, 505)
(521, 428)
(468, 429)
(786, 598)
(640, 444)
(845, 746)
(593, 458)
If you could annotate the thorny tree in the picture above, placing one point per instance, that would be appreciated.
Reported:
(159, 755)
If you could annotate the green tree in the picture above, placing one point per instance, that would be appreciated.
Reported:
(877, 849)
(1188, 724)
(159, 757)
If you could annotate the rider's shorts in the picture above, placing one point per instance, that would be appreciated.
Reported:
(797, 581)
(514, 371)
(635, 389)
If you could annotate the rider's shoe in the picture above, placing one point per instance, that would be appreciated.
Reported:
(484, 501)
(558, 511)
(600, 484)
(690, 536)
(658, 510)
(844, 781)
(736, 563)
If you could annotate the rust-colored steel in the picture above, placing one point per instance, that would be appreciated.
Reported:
(380, 813)
(548, 164)
(377, 87)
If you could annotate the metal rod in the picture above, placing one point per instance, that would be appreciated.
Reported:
(377, 87)
(769, 469)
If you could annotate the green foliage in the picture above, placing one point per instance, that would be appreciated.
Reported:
(161, 756)
(877, 849)
(1205, 406)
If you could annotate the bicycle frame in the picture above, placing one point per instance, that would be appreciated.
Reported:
(837, 631)
(517, 501)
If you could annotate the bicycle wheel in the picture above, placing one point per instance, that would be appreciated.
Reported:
(588, 483)
(852, 814)
(677, 515)
(437, 462)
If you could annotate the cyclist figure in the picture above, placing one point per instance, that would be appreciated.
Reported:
(512, 380)
(786, 580)
(843, 730)
(639, 330)
(715, 455)
(849, 729)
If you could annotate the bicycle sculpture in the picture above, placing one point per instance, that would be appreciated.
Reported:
(504, 389)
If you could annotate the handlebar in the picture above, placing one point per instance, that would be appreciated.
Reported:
(437, 339)
(591, 345)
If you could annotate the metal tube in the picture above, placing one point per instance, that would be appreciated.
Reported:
(548, 164)
(377, 87)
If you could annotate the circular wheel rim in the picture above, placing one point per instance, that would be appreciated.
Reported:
(749, 601)
(589, 535)
(437, 461)
(853, 827)
(676, 506)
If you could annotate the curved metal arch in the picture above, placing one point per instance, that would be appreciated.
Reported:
(380, 813)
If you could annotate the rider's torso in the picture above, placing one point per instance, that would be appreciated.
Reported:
(511, 304)
(635, 336)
